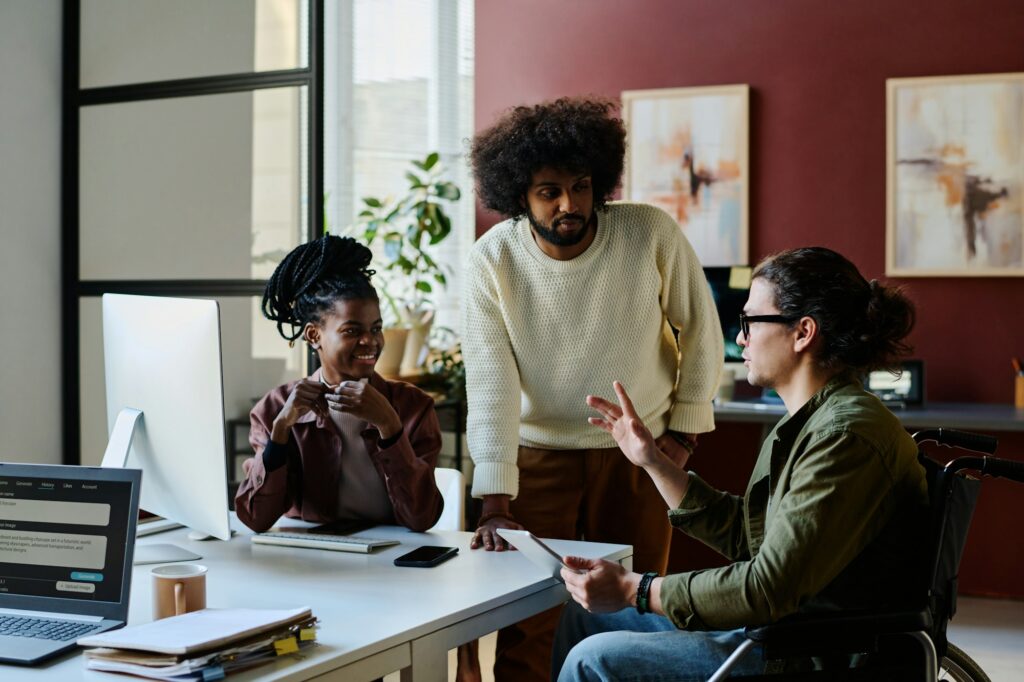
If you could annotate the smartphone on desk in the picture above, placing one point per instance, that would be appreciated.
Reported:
(426, 556)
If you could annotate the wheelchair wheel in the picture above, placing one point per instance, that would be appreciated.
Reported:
(957, 666)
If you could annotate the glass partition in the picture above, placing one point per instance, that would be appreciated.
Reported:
(188, 39)
(203, 187)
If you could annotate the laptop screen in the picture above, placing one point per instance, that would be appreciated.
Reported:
(63, 537)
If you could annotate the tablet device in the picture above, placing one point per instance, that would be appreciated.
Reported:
(536, 551)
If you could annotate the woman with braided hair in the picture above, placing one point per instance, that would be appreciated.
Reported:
(343, 443)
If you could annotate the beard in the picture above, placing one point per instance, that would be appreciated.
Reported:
(550, 234)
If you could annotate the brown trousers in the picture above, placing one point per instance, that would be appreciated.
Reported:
(595, 495)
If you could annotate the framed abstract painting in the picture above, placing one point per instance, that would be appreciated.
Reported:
(955, 176)
(688, 154)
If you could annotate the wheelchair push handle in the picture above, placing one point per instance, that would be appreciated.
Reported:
(1003, 468)
(958, 439)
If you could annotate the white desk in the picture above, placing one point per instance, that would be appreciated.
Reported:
(376, 618)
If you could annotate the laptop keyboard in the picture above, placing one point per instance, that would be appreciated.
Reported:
(42, 628)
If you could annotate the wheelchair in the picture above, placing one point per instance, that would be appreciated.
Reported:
(905, 644)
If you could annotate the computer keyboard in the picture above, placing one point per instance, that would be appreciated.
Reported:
(43, 628)
(335, 543)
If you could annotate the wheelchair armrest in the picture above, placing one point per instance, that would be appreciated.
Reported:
(840, 632)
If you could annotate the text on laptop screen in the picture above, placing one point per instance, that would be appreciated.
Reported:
(63, 538)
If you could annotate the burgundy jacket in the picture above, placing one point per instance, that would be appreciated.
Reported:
(306, 486)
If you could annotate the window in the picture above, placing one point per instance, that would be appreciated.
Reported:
(191, 164)
(399, 85)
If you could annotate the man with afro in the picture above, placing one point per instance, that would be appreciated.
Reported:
(569, 293)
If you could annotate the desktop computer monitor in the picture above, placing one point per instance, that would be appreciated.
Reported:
(730, 287)
(165, 406)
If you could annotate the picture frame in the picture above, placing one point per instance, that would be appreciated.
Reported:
(955, 176)
(688, 153)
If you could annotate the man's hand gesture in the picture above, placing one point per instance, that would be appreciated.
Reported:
(628, 430)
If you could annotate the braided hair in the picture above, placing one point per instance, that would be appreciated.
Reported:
(312, 278)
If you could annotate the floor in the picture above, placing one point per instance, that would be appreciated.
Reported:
(991, 631)
(486, 661)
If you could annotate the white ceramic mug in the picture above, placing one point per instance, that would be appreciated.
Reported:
(178, 589)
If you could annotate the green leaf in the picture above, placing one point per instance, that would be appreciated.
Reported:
(447, 190)
(429, 220)
(414, 180)
(406, 264)
(444, 227)
(394, 212)
(367, 213)
(372, 201)
(424, 286)
(441, 279)
(431, 160)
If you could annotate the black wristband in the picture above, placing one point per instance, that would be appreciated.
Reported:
(681, 438)
(643, 592)
(276, 454)
(385, 443)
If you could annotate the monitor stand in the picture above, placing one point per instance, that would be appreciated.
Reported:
(115, 457)
(156, 524)
(162, 553)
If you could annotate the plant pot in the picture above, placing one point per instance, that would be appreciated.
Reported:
(390, 361)
(419, 329)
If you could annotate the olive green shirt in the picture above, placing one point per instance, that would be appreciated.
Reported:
(829, 520)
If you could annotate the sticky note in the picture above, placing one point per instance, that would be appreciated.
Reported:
(307, 634)
(739, 278)
(286, 646)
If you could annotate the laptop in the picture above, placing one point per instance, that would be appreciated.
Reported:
(66, 539)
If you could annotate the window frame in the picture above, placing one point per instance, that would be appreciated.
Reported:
(73, 288)
(342, 201)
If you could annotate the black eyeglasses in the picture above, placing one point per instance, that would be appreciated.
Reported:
(745, 321)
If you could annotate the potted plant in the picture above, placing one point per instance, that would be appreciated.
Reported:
(446, 374)
(409, 227)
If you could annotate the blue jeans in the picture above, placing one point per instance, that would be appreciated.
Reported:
(625, 646)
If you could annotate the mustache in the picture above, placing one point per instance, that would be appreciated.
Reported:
(569, 216)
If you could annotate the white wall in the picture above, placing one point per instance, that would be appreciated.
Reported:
(30, 333)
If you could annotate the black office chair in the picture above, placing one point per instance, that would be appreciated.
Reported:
(906, 644)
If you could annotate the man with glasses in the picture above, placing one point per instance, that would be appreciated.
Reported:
(829, 518)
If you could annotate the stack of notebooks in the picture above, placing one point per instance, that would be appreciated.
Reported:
(204, 645)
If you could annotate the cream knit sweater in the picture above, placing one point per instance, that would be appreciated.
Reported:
(540, 334)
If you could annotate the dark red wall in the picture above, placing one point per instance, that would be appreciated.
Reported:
(817, 74)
